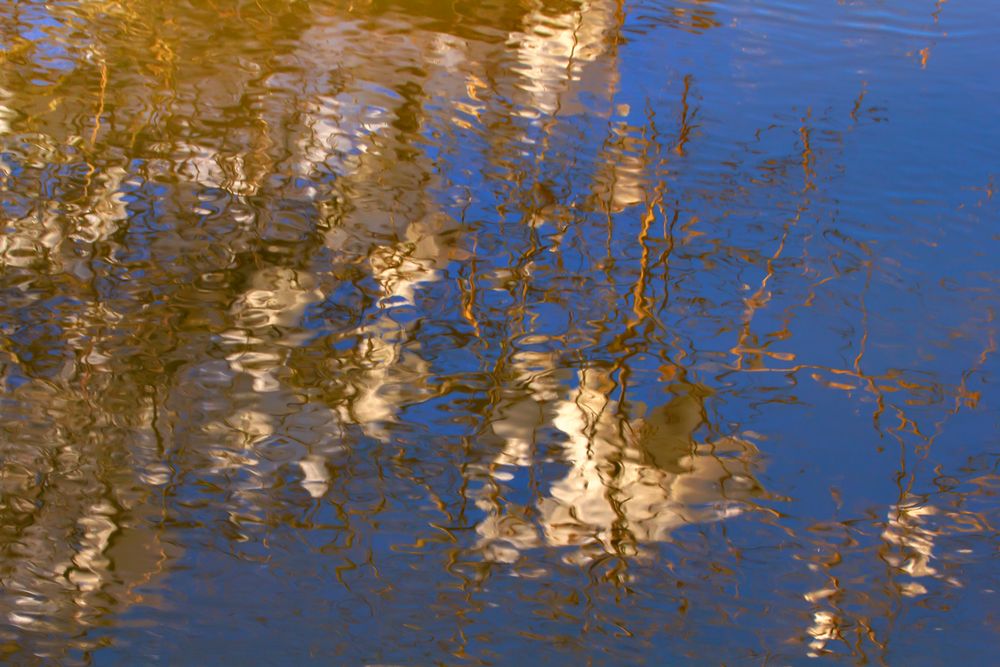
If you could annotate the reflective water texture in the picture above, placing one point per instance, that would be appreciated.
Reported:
(482, 333)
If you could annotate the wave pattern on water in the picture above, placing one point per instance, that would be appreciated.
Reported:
(413, 332)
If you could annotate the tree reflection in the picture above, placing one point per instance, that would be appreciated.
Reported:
(630, 482)
(275, 271)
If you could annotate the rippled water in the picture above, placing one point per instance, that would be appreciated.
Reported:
(600, 332)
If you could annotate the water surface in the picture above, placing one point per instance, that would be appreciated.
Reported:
(483, 333)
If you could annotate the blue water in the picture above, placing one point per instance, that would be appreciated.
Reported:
(418, 333)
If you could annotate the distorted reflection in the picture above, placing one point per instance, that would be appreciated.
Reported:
(907, 530)
(81, 512)
(559, 55)
(389, 331)
(912, 530)
(630, 482)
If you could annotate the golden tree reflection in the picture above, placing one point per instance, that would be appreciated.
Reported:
(369, 288)
(630, 482)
